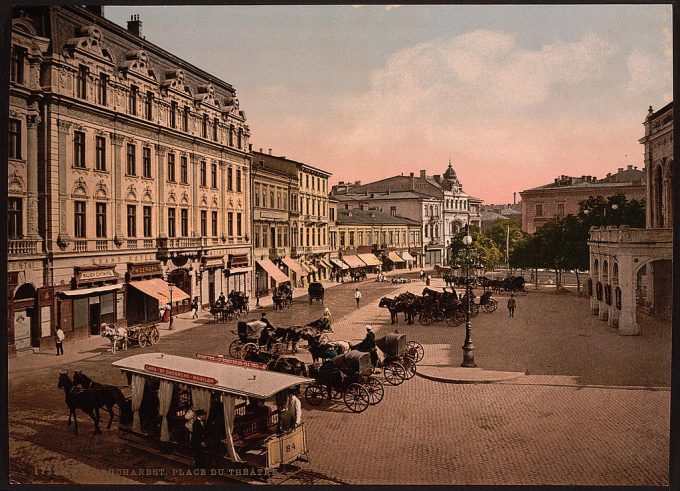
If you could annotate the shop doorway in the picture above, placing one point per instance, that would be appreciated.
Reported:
(211, 286)
(26, 327)
(95, 310)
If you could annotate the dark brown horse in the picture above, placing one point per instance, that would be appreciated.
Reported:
(108, 396)
(86, 400)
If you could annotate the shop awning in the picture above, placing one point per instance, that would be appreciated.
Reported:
(160, 290)
(339, 264)
(392, 256)
(407, 256)
(90, 291)
(295, 266)
(310, 268)
(353, 261)
(325, 264)
(369, 259)
(274, 272)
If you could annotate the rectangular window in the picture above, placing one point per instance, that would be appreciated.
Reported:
(213, 176)
(307, 181)
(271, 199)
(17, 67)
(332, 217)
(131, 220)
(147, 221)
(103, 89)
(230, 179)
(81, 83)
(14, 218)
(184, 169)
(131, 159)
(100, 153)
(264, 196)
(204, 223)
(148, 106)
(257, 236)
(539, 210)
(203, 173)
(79, 219)
(171, 167)
(14, 139)
(560, 208)
(215, 127)
(239, 229)
(79, 149)
(184, 222)
(100, 217)
(393, 211)
(213, 216)
(204, 126)
(132, 100)
(230, 224)
(171, 222)
(173, 114)
(264, 236)
(185, 119)
(146, 161)
(257, 195)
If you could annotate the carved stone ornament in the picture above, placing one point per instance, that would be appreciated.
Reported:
(88, 39)
(204, 201)
(214, 203)
(79, 189)
(147, 197)
(16, 183)
(171, 197)
(137, 61)
(174, 79)
(101, 192)
(63, 242)
(64, 126)
(131, 193)
(118, 241)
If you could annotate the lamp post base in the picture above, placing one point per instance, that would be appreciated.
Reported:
(468, 356)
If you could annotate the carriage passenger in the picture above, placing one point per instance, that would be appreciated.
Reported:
(326, 318)
(367, 345)
(221, 299)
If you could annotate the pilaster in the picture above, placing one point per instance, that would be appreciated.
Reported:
(32, 123)
(63, 237)
(160, 161)
(195, 175)
(117, 170)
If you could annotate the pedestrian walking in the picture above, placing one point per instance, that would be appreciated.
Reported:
(511, 305)
(295, 407)
(59, 341)
(194, 308)
(198, 439)
(422, 275)
(428, 280)
(357, 296)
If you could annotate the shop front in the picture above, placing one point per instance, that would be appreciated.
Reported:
(181, 279)
(295, 271)
(153, 294)
(408, 258)
(140, 307)
(325, 265)
(236, 273)
(268, 276)
(393, 261)
(213, 267)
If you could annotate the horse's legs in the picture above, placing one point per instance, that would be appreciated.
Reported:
(109, 408)
(75, 419)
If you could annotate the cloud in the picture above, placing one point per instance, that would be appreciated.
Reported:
(647, 72)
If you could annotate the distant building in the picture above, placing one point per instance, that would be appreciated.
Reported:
(562, 196)
(493, 213)
(631, 268)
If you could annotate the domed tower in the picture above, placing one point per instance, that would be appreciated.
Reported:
(450, 175)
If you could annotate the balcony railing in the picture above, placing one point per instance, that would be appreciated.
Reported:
(22, 247)
(80, 245)
(102, 245)
(182, 242)
(132, 244)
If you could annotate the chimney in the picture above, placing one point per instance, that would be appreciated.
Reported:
(270, 151)
(620, 169)
(630, 166)
(134, 25)
(423, 174)
(260, 149)
(514, 198)
(357, 183)
(411, 175)
(437, 178)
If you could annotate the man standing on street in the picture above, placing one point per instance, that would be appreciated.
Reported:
(422, 275)
(511, 305)
(357, 296)
(194, 308)
(59, 341)
(197, 439)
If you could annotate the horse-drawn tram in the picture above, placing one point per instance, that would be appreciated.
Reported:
(168, 389)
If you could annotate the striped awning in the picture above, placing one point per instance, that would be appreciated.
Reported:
(160, 290)
(407, 256)
(272, 270)
(294, 266)
(339, 264)
(353, 261)
(392, 256)
(310, 268)
(324, 262)
(369, 259)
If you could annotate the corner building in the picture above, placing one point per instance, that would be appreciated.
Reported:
(128, 170)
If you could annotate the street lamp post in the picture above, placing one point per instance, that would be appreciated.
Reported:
(170, 285)
(257, 289)
(468, 347)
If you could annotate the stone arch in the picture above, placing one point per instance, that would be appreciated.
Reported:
(605, 269)
(24, 24)
(596, 267)
(25, 291)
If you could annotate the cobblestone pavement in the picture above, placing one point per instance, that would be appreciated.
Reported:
(587, 414)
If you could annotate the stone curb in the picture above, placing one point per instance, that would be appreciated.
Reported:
(460, 375)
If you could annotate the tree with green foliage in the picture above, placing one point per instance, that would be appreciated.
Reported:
(482, 247)
(506, 233)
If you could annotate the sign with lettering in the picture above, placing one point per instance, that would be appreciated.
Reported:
(89, 275)
(273, 215)
(144, 269)
(238, 260)
(179, 374)
(231, 361)
(213, 261)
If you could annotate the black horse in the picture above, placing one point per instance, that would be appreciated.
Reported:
(288, 364)
(390, 304)
(107, 396)
(87, 401)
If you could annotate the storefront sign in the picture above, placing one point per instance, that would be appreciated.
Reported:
(213, 262)
(273, 215)
(238, 260)
(145, 269)
(231, 361)
(179, 374)
(99, 274)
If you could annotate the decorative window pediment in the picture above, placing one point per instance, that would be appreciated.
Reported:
(88, 40)
(131, 193)
(231, 107)
(185, 198)
(16, 183)
(79, 189)
(102, 191)
(137, 62)
(175, 79)
(147, 197)
(205, 94)
(172, 198)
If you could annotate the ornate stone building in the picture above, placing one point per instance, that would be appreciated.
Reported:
(128, 169)
(631, 268)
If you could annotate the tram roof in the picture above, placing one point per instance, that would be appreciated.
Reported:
(237, 380)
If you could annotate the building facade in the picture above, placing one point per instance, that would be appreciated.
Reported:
(562, 197)
(631, 268)
(128, 170)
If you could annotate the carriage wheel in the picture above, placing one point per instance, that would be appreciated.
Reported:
(235, 348)
(247, 350)
(490, 306)
(356, 398)
(415, 350)
(409, 367)
(375, 389)
(155, 336)
(425, 319)
(474, 309)
(314, 394)
(450, 319)
(438, 316)
(278, 349)
(524, 291)
(142, 340)
(395, 373)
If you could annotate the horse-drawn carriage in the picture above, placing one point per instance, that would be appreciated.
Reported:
(315, 291)
(250, 340)
(282, 297)
(399, 362)
(348, 377)
(123, 337)
(232, 307)
(166, 387)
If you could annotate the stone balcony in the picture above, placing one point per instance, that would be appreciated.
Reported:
(627, 235)
(23, 247)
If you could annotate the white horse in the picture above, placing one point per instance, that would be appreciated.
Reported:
(115, 335)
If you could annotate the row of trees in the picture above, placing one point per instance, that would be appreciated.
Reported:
(561, 244)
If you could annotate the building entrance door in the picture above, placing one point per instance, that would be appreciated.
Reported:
(211, 286)
(94, 319)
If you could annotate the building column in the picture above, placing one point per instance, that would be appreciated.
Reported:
(628, 325)
(32, 122)
(117, 171)
(222, 215)
(195, 174)
(160, 164)
(63, 237)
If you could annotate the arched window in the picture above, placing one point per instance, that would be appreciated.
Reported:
(605, 269)
(596, 267)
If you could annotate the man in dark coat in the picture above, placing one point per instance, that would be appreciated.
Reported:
(368, 343)
(197, 439)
